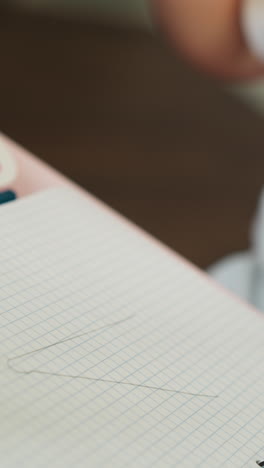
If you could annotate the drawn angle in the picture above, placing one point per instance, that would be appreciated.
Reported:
(14, 363)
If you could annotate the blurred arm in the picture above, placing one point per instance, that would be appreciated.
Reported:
(208, 32)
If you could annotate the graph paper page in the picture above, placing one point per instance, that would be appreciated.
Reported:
(114, 352)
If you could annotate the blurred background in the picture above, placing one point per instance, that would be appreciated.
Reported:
(93, 88)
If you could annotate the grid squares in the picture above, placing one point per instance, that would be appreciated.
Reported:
(114, 352)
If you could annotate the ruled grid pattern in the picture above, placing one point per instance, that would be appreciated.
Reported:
(113, 352)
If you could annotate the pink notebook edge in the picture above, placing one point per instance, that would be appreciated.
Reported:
(34, 175)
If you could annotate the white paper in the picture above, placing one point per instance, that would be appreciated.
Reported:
(114, 352)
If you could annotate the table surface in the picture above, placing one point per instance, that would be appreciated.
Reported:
(118, 111)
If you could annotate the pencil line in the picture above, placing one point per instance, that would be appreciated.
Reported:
(117, 382)
(70, 338)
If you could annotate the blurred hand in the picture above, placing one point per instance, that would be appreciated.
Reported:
(209, 33)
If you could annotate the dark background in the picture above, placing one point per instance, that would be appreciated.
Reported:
(116, 110)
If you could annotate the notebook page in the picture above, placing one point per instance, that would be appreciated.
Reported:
(114, 352)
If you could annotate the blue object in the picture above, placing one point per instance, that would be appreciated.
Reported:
(7, 196)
